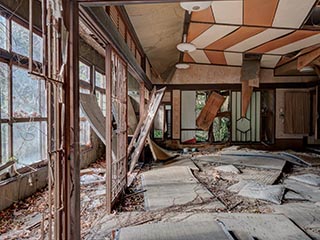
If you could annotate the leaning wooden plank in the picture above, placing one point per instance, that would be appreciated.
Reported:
(209, 111)
(142, 131)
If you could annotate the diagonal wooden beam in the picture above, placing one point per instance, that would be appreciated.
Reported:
(307, 59)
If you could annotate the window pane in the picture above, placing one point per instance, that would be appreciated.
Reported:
(84, 124)
(20, 39)
(29, 143)
(3, 33)
(20, 42)
(101, 99)
(37, 47)
(28, 95)
(100, 80)
(4, 143)
(4, 86)
(84, 72)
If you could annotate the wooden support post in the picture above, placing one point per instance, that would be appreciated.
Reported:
(108, 129)
(71, 207)
(317, 129)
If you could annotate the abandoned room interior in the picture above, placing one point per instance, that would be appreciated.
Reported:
(160, 119)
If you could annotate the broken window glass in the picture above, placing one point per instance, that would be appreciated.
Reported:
(28, 95)
(4, 143)
(3, 33)
(4, 83)
(100, 80)
(29, 142)
(84, 72)
(20, 42)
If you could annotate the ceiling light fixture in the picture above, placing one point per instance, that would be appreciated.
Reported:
(195, 6)
(182, 66)
(307, 69)
(186, 47)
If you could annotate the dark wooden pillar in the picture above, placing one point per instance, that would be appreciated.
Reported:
(71, 223)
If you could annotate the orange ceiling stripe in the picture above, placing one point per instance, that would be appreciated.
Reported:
(292, 37)
(235, 37)
(259, 12)
(216, 57)
(205, 15)
(187, 58)
(196, 29)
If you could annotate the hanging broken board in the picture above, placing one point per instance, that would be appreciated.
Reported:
(142, 131)
(209, 111)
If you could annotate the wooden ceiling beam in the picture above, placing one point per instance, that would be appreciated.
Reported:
(307, 59)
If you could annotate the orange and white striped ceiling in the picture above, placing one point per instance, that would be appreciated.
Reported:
(229, 28)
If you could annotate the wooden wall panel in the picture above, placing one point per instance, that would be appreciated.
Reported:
(176, 105)
(297, 113)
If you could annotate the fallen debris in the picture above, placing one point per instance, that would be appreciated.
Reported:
(270, 193)
(311, 179)
(228, 169)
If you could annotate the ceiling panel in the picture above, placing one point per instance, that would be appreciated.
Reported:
(212, 34)
(196, 29)
(292, 13)
(260, 38)
(298, 45)
(187, 58)
(269, 61)
(229, 12)
(259, 12)
(234, 59)
(235, 37)
(205, 15)
(216, 57)
(199, 56)
(290, 38)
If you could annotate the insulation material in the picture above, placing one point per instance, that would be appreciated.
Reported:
(209, 111)
(143, 129)
(132, 118)
(271, 193)
(158, 153)
(56, 6)
(311, 179)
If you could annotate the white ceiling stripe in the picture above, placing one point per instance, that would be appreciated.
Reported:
(234, 59)
(199, 56)
(229, 12)
(292, 13)
(269, 61)
(213, 34)
(258, 39)
(303, 43)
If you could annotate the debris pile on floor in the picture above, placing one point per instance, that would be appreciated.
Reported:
(234, 191)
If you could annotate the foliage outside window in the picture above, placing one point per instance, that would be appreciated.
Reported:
(20, 42)
(84, 124)
(3, 33)
(84, 72)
